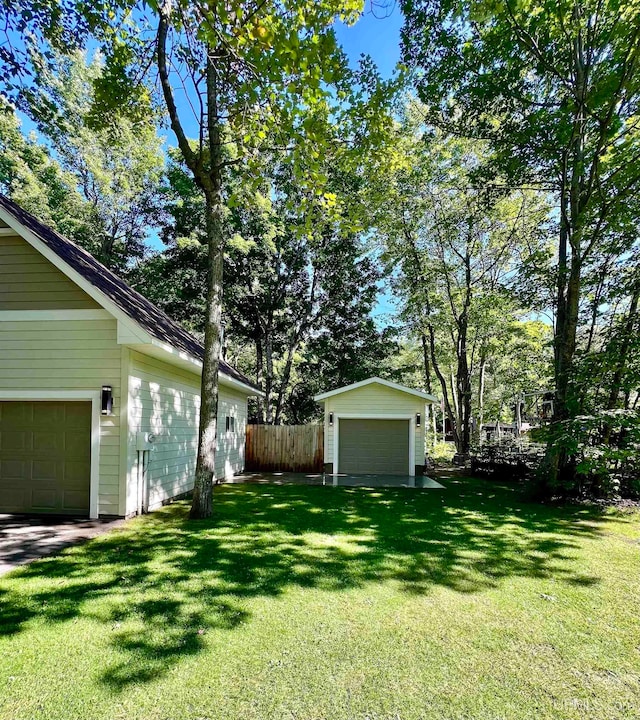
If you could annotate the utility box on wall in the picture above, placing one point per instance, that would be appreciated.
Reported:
(145, 441)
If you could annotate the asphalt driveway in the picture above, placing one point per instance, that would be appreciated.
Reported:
(27, 538)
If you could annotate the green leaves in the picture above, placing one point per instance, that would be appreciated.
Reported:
(115, 162)
(554, 89)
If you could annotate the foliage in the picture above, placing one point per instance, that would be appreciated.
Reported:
(117, 167)
(605, 469)
(553, 90)
(508, 459)
(175, 278)
(296, 308)
(30, 176)
(454, 250)
(442, 452)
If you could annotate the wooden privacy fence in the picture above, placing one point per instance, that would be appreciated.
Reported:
(285, 448)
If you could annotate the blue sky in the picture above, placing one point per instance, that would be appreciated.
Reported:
(376, 34)
(378, 37)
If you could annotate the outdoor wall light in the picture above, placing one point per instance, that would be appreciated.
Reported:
(330, 419)
(418, 419)
(107, 400)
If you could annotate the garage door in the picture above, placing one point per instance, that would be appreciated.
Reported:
(45, 457)
(373, 447)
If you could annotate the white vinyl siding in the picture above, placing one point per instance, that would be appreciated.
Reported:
(165, 401)
(28, 281)
(69, 355)
(370, 400)
(231, 444)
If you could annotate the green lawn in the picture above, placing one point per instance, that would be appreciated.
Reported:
(321, 602)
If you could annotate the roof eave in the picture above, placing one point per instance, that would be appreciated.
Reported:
(136, 335)
(427, 397)
(156, 348)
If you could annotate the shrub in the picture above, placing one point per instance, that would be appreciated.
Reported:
(605, 452)
(442, 452)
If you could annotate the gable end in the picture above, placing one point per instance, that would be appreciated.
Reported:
(28, 281)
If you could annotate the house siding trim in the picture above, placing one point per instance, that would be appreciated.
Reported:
(94, 398)
(125, 470)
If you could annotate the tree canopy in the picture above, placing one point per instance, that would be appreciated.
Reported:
(242, 173)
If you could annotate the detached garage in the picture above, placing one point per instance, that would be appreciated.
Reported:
(375, 427)
(99, 389)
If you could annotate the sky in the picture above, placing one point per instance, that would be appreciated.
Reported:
(377, 35)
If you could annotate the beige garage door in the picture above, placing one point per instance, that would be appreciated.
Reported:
(373, 447)
(45, 457)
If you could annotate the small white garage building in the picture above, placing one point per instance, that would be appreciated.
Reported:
(88, 367)
(375, 427)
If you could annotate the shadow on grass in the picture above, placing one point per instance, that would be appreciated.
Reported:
(162, 582)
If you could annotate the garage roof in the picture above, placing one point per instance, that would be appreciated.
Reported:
(379, 381)
(132, 303)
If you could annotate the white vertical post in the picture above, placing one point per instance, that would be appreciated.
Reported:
(435, 429)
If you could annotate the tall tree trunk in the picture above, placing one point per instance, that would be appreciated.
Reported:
(455, 397)
(481, 382)
(106, 247)
(284, 382)
(446, 398)
(426, 363)
(206, 167)
(259, 364)
(463, 376)
(572, 208)
(268, 375)
(623, 353)
(305, 324)
(202, 504)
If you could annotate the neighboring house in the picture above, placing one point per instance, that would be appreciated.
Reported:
(375, 427)
(74, 338)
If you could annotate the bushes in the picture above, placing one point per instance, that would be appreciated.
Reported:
(604, 449)
(442, 453)
(509, 459)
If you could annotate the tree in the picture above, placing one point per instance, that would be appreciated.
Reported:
(300, 300)
(118, 166)
(30, 176)
(453, 246)
(345, 345)
(248, 70)
(175, 279)
(554, 90)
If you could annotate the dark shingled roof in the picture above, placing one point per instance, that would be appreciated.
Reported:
(131, 302)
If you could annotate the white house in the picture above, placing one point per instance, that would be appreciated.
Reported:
(88, 370)
(375, 427)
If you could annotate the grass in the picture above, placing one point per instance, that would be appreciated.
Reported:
(323, 603)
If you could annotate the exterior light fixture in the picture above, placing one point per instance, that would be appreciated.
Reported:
(107, 400)
(330, 419)
(418, 419)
